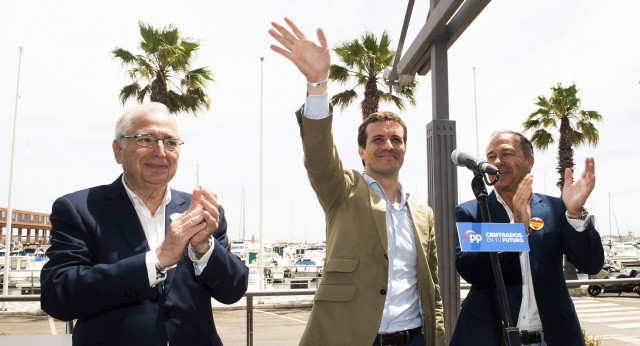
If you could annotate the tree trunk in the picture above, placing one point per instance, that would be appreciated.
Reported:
(565, 150)
(159, 89)
(565, 160)
(370, 103)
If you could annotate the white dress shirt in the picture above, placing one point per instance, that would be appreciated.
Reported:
(153, 226)
(529, 316)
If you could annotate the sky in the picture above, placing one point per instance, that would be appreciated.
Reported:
(69, 86)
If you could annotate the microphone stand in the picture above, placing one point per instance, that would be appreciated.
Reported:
(510, 333)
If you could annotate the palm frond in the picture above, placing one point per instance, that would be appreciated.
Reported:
(166, 60)
(344, 99)
(129, 91)
(563, 103)
(124, 55)
(364, 60)
(338, 73)
(541, 139)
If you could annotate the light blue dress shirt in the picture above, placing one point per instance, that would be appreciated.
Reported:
(402, 309)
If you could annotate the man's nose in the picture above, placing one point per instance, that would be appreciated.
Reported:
(159, 148)
(387, 144)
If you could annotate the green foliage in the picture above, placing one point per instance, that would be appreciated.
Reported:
(163, 71)
(562, 112)
(591, 340)
(364, 60)
(562, 104)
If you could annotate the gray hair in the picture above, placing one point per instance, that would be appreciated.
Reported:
(123, 125)
(525, 144)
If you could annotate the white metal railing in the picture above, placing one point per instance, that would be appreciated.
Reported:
(249, 295)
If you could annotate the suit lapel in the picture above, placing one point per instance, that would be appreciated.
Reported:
(177, 205)
(379, 211)
(124, 214)
(420, 233)
(420, 228)
(496, 210)
(539, 210)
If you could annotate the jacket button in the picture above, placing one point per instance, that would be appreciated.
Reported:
(386, 257)
(383, 292)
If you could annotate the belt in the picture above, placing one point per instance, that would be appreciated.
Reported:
(398, 338)
(527, 338)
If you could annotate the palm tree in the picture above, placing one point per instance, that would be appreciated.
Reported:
(575, 125)
(365, 60)
(576, 128)
(163, 71)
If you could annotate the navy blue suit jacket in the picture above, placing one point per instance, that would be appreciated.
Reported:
(480, 322)
(97, 274)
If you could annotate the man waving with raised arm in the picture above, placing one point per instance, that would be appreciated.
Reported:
(380, 280)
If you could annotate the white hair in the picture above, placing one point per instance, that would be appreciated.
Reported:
(123, 125)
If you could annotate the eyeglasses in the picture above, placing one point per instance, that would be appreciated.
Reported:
(148, 140)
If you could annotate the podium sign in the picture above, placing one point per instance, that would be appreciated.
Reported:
(496, 237)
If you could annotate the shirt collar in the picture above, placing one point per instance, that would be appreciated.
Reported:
(378, 189)
(504, 204)
(137, 201)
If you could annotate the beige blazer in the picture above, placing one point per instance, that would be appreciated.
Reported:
(347, 307)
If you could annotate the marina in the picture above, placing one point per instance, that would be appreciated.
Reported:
(282, 265)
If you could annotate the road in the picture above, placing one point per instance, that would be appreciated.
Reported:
(614, 319)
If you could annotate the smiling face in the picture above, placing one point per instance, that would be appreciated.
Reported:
(148, 169)
(505, 152)
(384, 150)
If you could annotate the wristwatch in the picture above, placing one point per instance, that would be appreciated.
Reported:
(582, 217)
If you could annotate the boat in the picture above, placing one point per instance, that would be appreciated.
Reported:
(239, 248)
(623, 255)
(23, 269)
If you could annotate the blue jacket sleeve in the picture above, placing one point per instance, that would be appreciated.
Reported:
(225, 276)
(73, 284)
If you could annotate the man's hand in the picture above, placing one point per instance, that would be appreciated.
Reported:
(522, 202)
(575, 194)
(209, 201)
(183, 227)
(312, 60)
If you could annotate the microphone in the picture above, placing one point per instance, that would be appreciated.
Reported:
(463, 159)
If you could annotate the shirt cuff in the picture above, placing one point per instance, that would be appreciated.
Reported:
(577, 224)
(200, 263)
(317, 106)
(155, 272)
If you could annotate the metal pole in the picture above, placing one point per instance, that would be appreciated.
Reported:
(261, 265)
(475, 105)
(250, 320)
(609, 197)
(7, 241)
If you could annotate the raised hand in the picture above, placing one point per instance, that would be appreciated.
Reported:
(312, 60)
(575, 194)
(522, 201)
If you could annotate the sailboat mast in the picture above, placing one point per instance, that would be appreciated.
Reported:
(609, 194)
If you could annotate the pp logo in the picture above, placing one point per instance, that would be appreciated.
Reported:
(472, 236)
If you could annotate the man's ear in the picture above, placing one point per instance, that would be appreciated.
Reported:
(361, 152)
(530, 161)
(117, 150)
